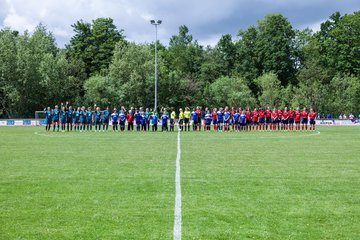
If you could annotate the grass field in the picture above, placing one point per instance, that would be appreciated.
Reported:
(256, 185)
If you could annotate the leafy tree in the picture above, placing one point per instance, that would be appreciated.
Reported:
(234, 92)
(94, 44)
(274, 47)
(270, 90)
(99, 91)
(227, 51)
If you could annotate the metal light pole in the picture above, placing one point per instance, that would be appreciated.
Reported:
(155, 23)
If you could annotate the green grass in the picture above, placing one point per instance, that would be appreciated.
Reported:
(234, 185)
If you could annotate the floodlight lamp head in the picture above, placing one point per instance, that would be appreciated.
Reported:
(152, 21)
(159, 22)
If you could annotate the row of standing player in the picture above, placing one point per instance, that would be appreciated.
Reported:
(247, 120)
(239, 120)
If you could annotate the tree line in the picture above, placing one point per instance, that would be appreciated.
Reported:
(270, 64)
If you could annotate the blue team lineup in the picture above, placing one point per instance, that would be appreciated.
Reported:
(82, 119)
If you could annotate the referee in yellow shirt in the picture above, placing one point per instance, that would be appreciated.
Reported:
(187, 114)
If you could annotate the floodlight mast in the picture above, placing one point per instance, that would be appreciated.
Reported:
(155, 23)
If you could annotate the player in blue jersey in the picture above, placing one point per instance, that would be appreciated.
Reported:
(194, 119)
(208, 119)
(76, 119)
(98, 121)
(106, 118)
(220, 119)
(114, 119)
(122, 119)
(164, 121)
(227, 116)
(147, 118)
(89, 119)
(137, 119)
(154, 121)
(243, 121)
(143, 121)
(56, 118)
(48, 119)
(63, 118)
(69, 118)
(82, 115)
(237, 121)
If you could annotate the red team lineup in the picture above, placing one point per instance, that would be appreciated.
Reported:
(145, 119)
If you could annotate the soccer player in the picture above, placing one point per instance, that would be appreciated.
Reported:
(312, 117)
(227, 116)
(82, 119)
(236, 120)
(172, 120)
(208, 119)
(164, 121)
(147, 117)
(220, 119)
(268, 118)
(248, 119)
(89, 119)
(181, 119)
(243, 120)
(69, 118)
(199, 113)
(122, 119)
(255, 119)
(130, 120)
(106, 119)
(187, 115)
(291, 119)
(194, 119)
(279, 118)
(274, 119)
(304, 119)
(232, 112)
(143, 121)
(56, 116)
(63, 118)
(297, 119)
(154, 121)
(261, 119)
(138, 120)
(77, 118)
(214, 119)
(285, 119)
(114, 118)
(48, 118)
(98, 122)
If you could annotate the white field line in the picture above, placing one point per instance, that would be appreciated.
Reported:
(177, 214)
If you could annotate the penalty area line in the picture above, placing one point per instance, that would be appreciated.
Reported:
(177, 210)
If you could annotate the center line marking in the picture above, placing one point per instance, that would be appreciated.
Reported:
(177, 215)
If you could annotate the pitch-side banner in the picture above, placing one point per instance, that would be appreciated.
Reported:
(41, 122)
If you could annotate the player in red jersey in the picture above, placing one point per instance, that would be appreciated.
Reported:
(268, 118)
(232, 122)
(291, 119)
(285, 120)
(274, 119)
(248, 119)
(279, 116)
(261, 119)
(304, 119)
(255, 119)
(297, 119)
(199, 113)
(312, 117)
(214, 119)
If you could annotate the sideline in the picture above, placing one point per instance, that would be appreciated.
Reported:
(177, 210)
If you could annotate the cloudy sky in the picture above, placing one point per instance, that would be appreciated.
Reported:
(206, 19)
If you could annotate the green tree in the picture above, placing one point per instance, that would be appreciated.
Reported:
(230, 91)
(94, 44)
(270, 90)
(274, 47)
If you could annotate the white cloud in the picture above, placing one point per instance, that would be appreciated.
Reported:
(207, 20)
